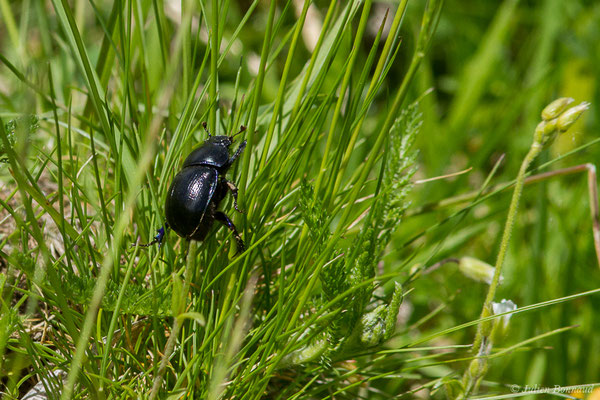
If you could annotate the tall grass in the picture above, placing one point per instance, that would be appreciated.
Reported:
(347, 287)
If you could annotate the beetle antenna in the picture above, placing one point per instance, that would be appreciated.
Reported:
(206, 129)
(242, 129)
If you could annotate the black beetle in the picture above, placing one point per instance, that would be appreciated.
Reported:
(196, 191)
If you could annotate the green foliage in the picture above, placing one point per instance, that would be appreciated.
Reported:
(348, 287)
(22, 128)
(313, 215)
(9, 322)
(388, 208)
(137, 299)
(398, 173)
(354, 325)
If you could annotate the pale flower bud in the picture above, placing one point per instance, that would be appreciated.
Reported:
(477, 270)
(557, 118)
(373, 327)
(568, 118)
(555, 108)
(545, 132)
(478, 368)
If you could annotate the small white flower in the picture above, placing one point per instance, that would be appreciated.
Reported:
(503, 307)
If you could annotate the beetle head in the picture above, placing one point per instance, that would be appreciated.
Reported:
(220, 140)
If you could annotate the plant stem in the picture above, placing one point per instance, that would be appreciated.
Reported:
(471, 382)
(214, 56)
(510, 220)
(189, 252)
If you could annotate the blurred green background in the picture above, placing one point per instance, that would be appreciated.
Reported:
(494, 65)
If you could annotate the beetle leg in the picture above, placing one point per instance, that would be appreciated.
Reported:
(234, 192)
(224, 219)
(237, 152)
(157, 239)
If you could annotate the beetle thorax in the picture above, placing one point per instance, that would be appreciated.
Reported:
(209, 154)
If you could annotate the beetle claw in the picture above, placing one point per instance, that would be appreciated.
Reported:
(157, 239)
(224, 219)
(234, 192)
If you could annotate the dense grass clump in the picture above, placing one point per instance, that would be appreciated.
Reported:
(384, 256)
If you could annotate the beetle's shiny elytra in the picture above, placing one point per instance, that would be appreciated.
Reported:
(196, 191)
